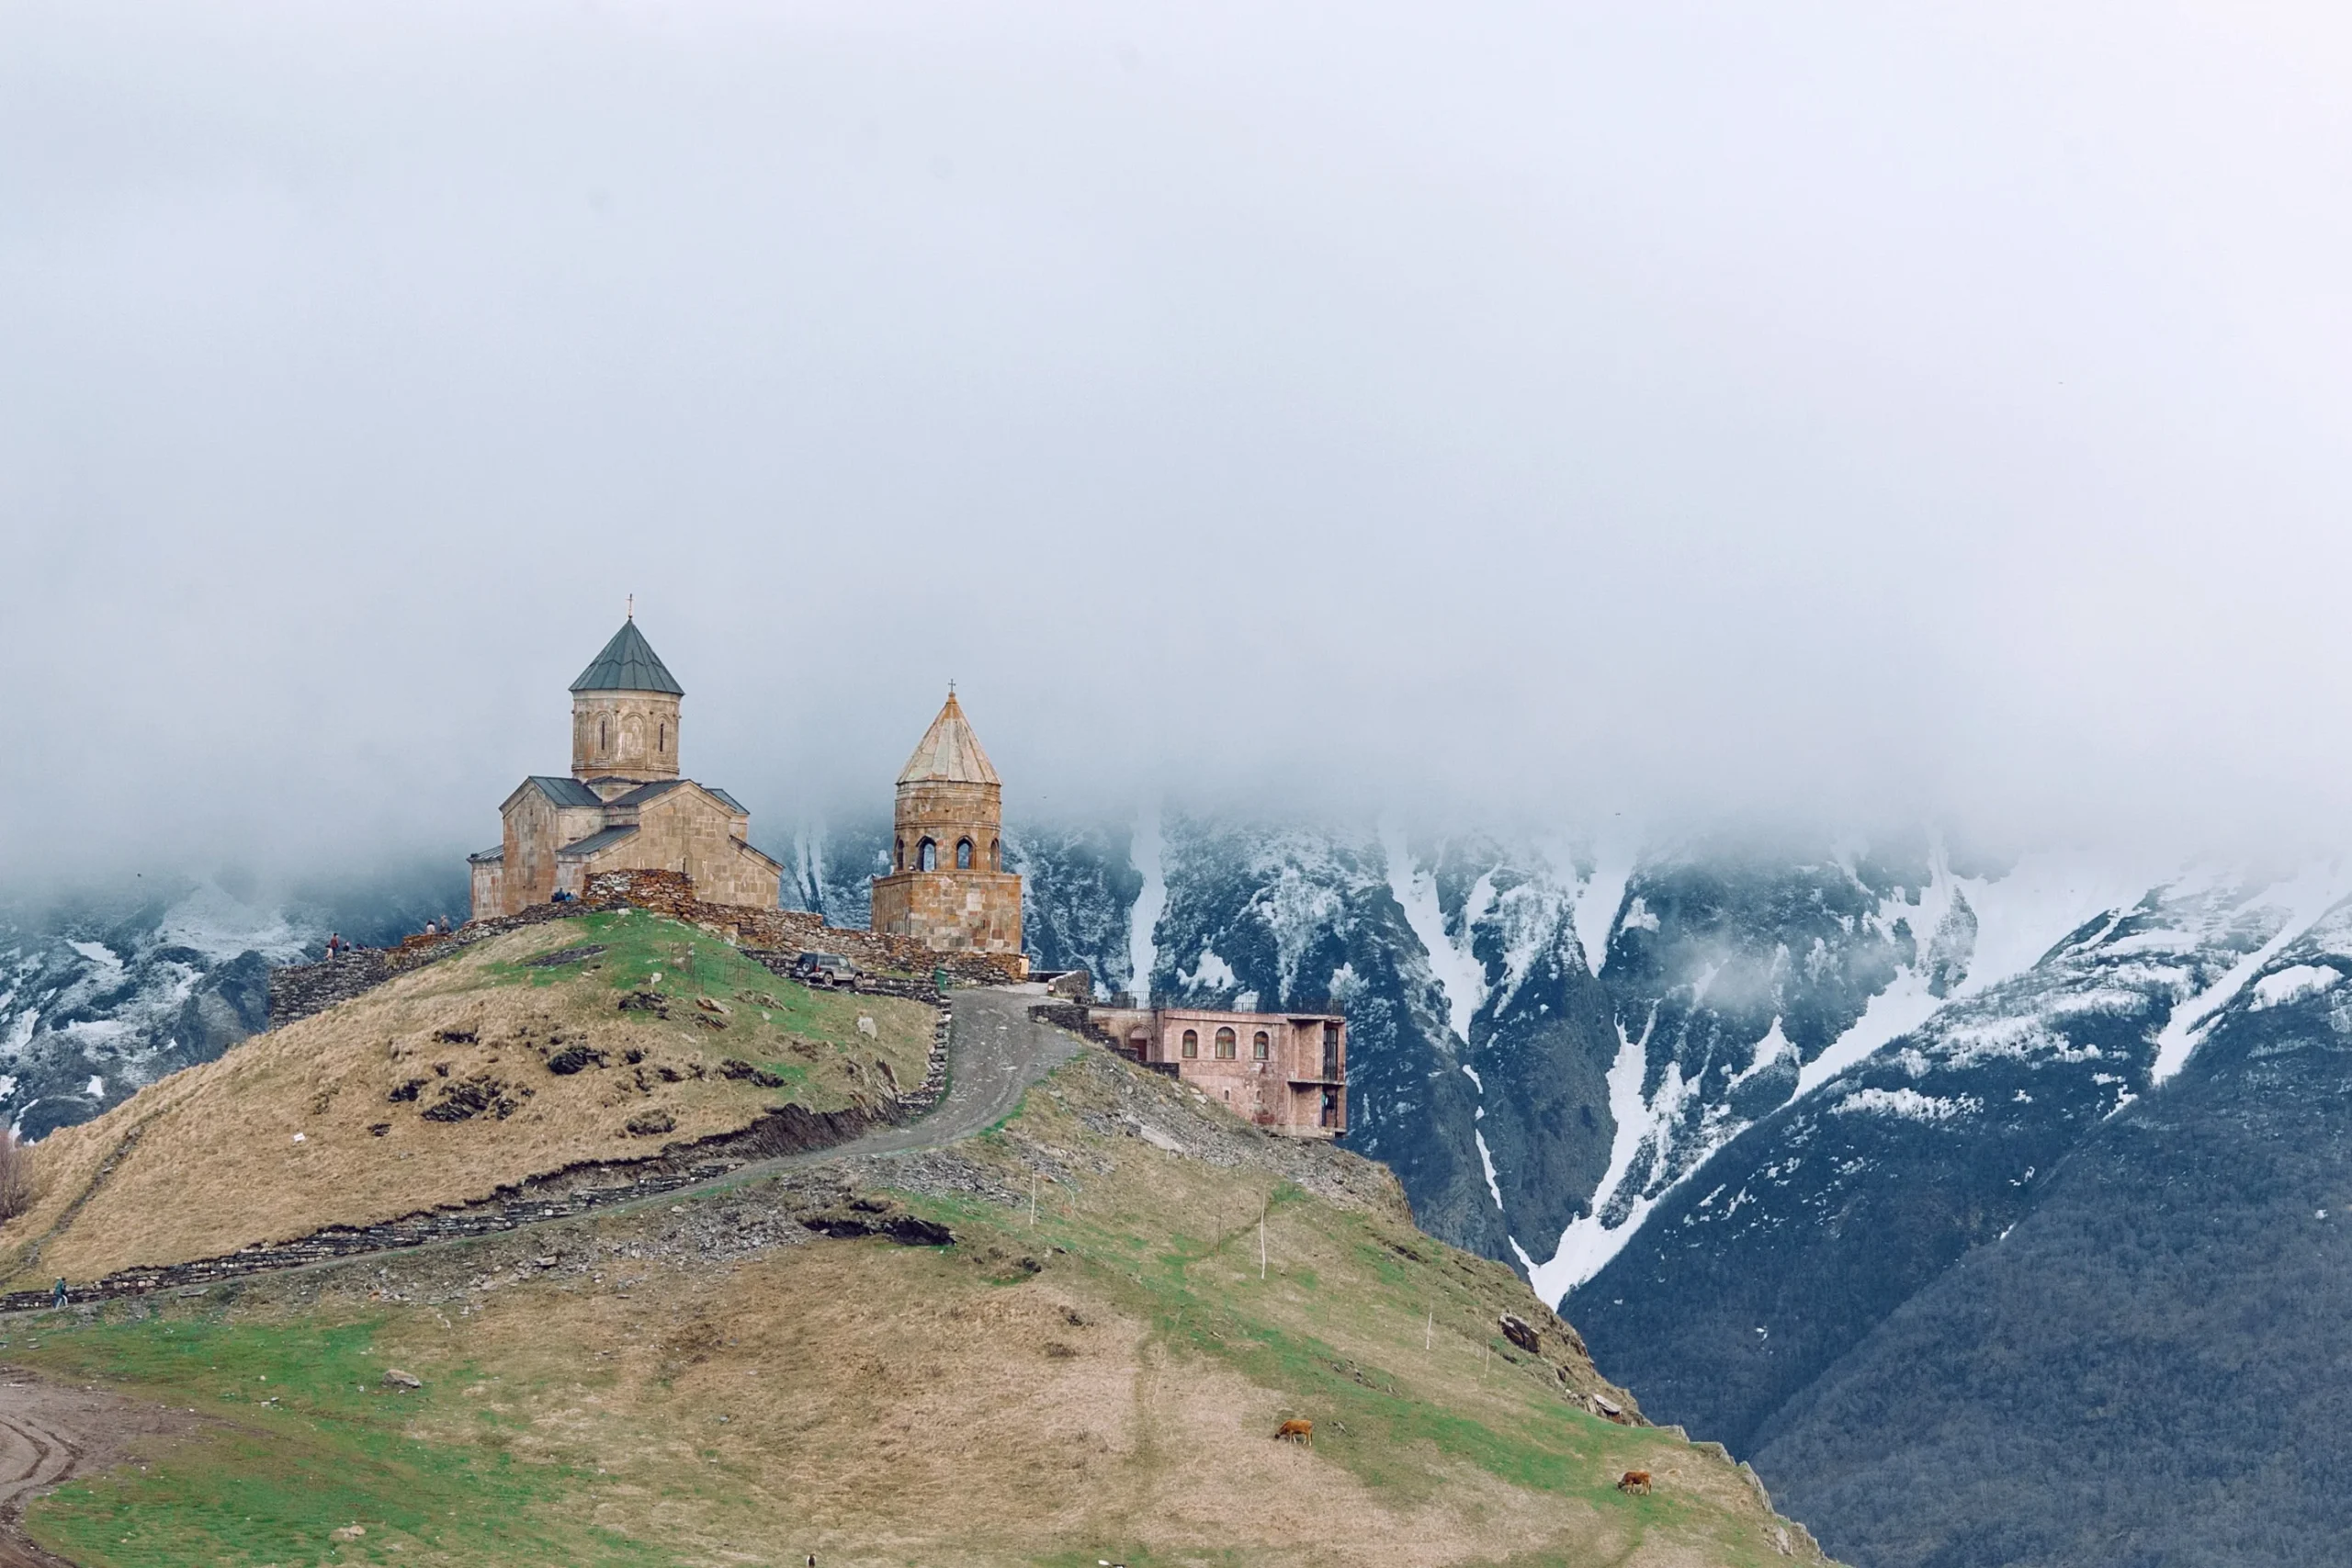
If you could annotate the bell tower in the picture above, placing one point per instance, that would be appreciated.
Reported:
(948, 886)
(625, 713)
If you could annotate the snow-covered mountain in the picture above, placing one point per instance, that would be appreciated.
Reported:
(1549, 1039)
(2141, 1355)
(1805, 1231)
(106, 991)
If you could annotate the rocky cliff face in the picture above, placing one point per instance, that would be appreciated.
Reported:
(2137, 1353)
(110, 989)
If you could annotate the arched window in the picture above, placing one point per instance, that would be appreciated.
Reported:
(926, 856)
(604, 735)
(898, 854)
(996, 855)
(1225, 1044)
(963, 854)
(1192, 1042)
(1261, 1047)
(661, 738)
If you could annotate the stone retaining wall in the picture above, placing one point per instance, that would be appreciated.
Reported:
(773, 937)
(791, 930)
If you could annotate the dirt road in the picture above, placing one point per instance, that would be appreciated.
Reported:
(49, 1434)
(995, 1051)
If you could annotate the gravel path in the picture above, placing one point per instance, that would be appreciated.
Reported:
(995, 1051)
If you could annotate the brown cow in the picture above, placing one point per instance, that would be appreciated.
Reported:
(1298, 1431)
(1635, 1480)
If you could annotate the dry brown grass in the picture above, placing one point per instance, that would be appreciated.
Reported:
(881, 1404)
(279, 1137)
(885, 1406)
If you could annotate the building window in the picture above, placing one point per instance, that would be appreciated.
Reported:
(1330, 1050)
(963, 854)
(661, 737)
(1225, 1044)
(926, 856)
(1192, 1042)
(996, 855)
(898, 854)
(1261, 1047)
(604, 735)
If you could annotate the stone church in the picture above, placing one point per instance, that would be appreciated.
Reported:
(947, 887)
(623, 807)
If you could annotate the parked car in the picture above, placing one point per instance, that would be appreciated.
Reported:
(824, 969)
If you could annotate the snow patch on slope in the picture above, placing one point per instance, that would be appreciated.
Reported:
(1599, 895)
(1488, 1160)
(1588, 1242)
(2303, 900)
(1145, 852)
(2294, 984)
(1459, 973)
(222, 927)
(1908, 1104)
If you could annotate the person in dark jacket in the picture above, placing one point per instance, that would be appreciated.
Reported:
(57, 1296)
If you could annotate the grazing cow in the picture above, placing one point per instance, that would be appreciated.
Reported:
(1635, 1480)
(1298, 1431)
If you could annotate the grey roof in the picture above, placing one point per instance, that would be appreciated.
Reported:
(646, 792)
(565, 791)
(728, 800)
(627, 665)
(594, 841)
(489, 857)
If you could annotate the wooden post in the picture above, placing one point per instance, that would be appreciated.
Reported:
(1261, 1240)
(1033, 1199)
(1428, 1325)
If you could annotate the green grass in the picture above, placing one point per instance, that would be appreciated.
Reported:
(691, 963)
(267, 1484)
(1370, 1419)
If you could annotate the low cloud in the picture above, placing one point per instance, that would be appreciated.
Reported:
(1827, 418)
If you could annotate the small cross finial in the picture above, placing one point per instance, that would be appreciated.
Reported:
(951, 685)
(632, 606)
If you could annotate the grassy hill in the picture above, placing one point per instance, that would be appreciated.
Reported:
(1122, 1291)
(605, 1038)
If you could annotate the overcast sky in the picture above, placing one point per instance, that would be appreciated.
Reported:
(1699, 410)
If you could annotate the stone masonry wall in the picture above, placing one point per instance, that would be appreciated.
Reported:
(303, 989)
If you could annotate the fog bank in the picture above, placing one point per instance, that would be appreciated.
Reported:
(1821, 416)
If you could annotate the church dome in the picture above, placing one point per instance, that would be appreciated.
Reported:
(628, 664)
(949, 752)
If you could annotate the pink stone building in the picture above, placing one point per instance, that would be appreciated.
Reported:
(1285, 1071)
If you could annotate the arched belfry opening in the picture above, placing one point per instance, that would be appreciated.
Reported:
(950, 891)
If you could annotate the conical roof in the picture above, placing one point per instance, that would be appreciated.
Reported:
(627, 665)
(950, 752)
